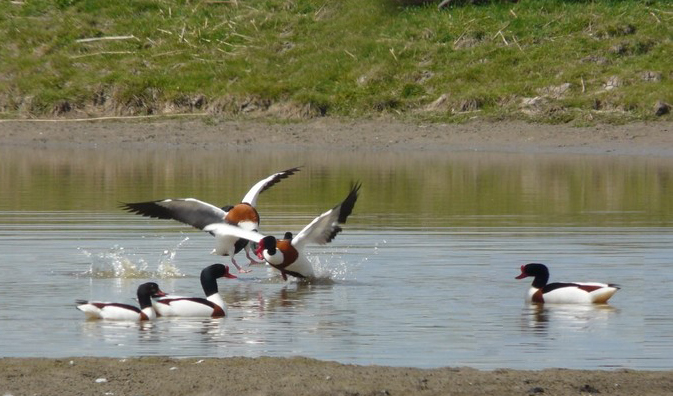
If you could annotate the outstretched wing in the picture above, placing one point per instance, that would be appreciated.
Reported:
(190, 211)
(326, 226)
(263, 185)
(224, 229)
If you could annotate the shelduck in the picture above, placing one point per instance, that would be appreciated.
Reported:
(119, 311)
(288, 254)
(563, 293)
(205, 216)
(213, 305)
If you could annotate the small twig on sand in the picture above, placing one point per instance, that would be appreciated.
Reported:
(501, 35)
(552, 21)
(655, 9)
(167, 53)
(503, 38)
(243, 36)
(517, 43)
(90, 39)
(182, 33)
(102, 53)
(459, 38)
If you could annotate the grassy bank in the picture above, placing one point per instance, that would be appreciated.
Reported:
(543, 60)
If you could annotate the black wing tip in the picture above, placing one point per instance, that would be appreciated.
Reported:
(131, 207)
(292, 171)
(136, 204)
(355, 187)
(280, 176)
(147, 209)
(81, 302)
(349, 203)
(286, 173)
(134, 207)
(334, 233)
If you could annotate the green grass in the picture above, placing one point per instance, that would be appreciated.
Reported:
(349, 58)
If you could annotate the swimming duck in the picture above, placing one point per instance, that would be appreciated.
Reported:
(212, 305)
(119, 311)
(563, 293)
(287, 255)
(203, 215)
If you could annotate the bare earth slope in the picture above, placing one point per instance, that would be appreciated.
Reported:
(634, 139)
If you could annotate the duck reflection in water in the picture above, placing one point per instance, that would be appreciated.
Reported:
(540, 318)
(117, 332)
(253, 301)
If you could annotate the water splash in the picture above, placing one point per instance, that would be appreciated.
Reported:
(333, 267)
(117, 262)
(167, 267)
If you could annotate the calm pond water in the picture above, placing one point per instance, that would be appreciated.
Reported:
(422, 276)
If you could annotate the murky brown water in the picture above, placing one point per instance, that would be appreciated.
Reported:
(423, 274)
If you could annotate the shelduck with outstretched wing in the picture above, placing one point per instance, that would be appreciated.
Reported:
(287, 255)
(201, 215)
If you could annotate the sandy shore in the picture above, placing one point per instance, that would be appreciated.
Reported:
(632, 139)
(301, 376)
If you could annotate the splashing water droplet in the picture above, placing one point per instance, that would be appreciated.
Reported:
(167, 267)
(333, 268)
(118, 262)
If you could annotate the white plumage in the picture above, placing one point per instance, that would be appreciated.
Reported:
(119, 311)
(563, 292)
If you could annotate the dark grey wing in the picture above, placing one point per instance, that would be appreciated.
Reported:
(264, 184)
(190, 211)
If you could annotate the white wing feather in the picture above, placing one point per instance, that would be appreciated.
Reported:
(251, 196)
(319, 230)
(224, 230)
(326, 226)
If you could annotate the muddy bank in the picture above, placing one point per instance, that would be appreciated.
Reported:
(301, 376)
(634, 139)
